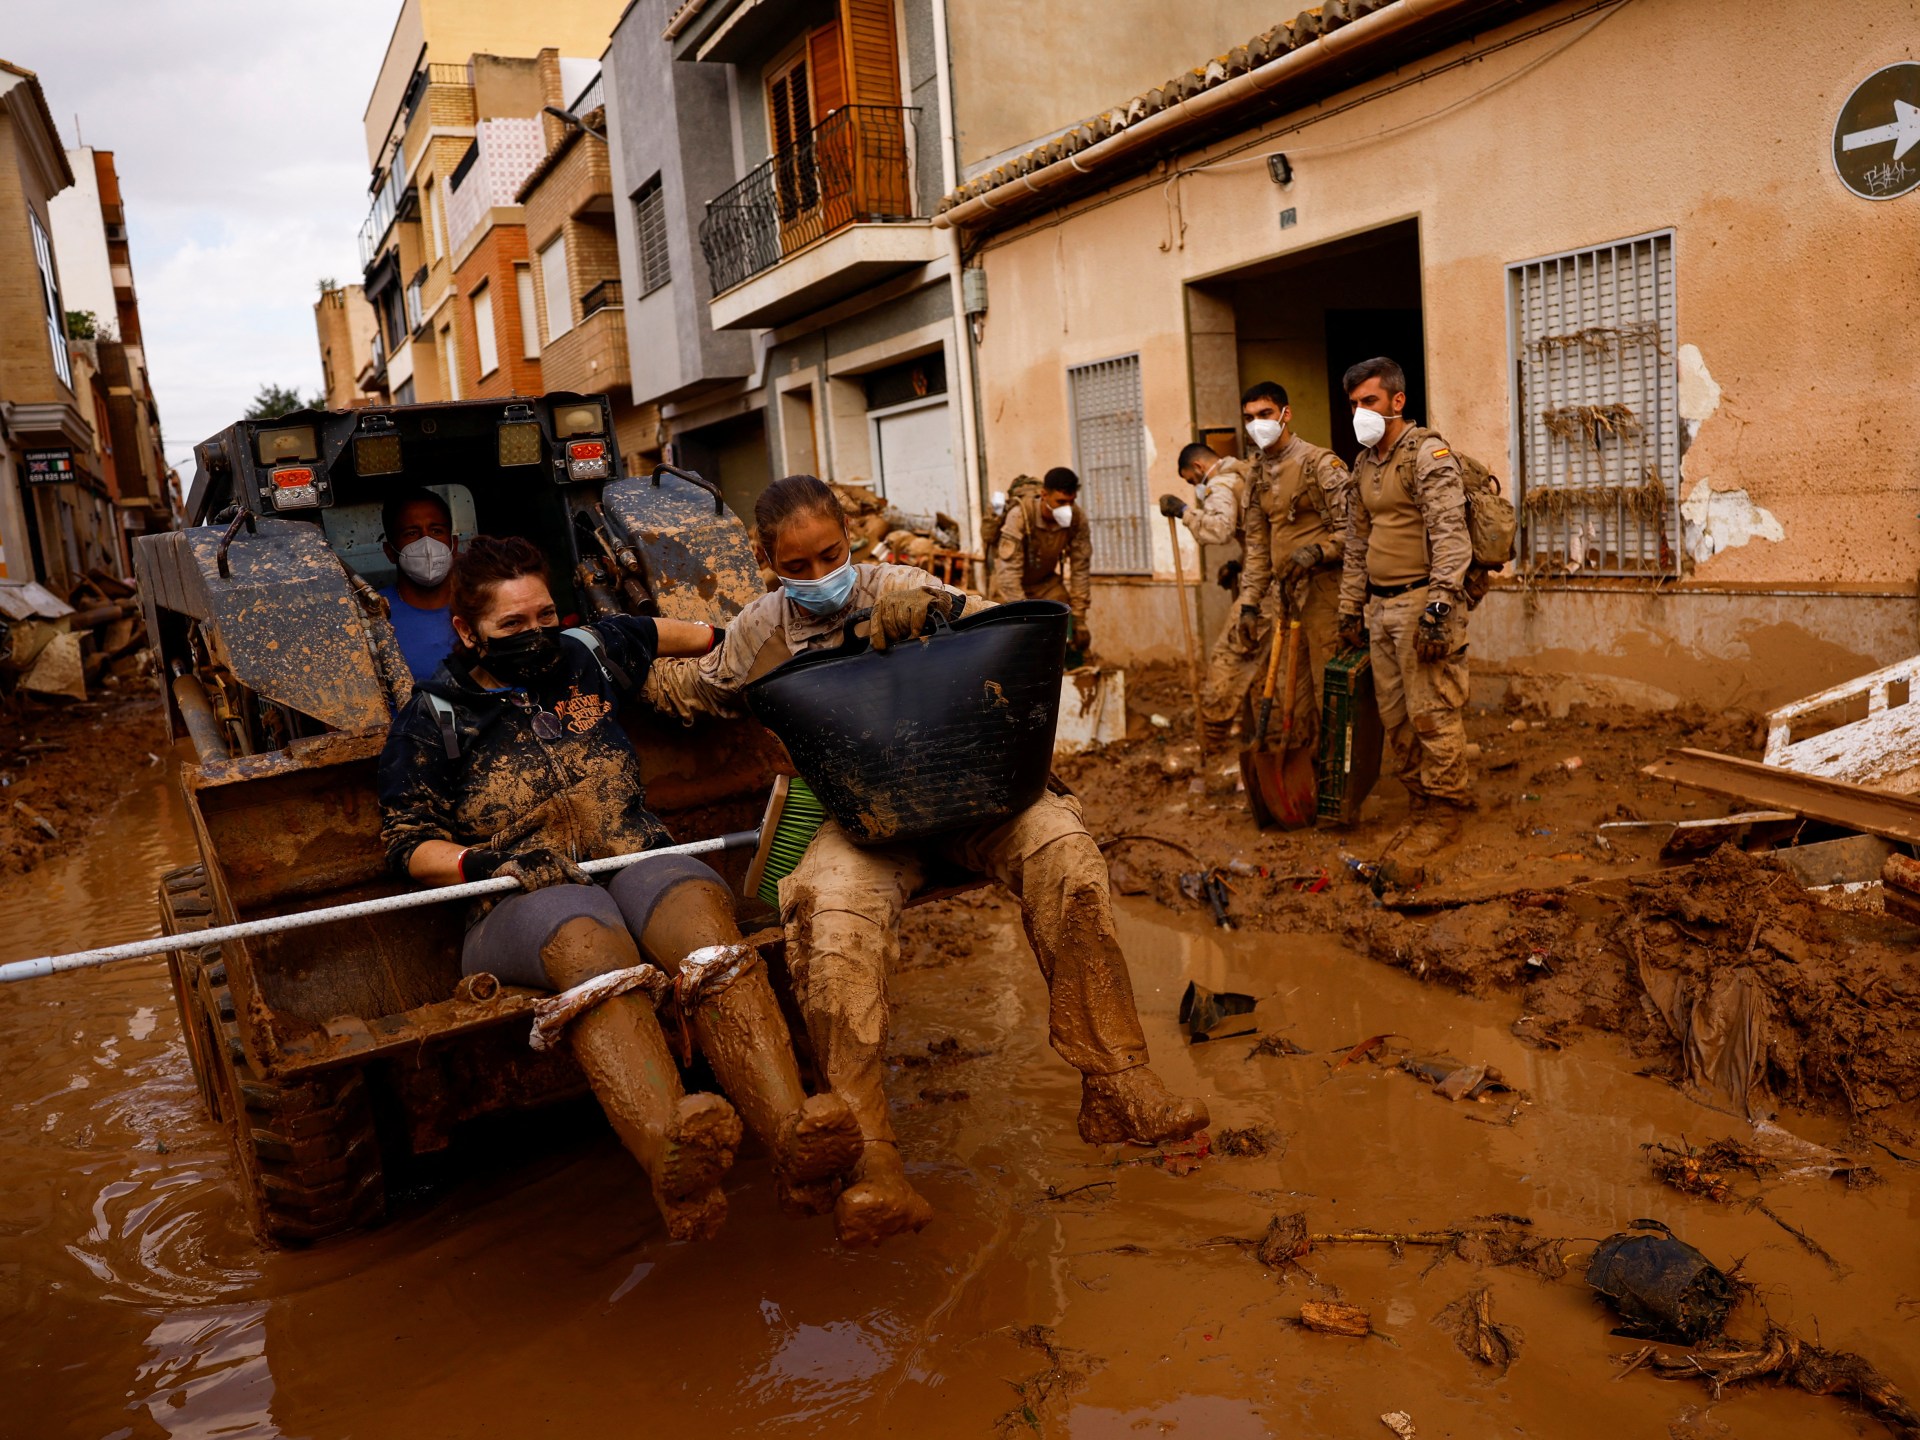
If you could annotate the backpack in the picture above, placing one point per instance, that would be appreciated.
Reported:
(1023, 488)
(1491, 521)
(443, 712)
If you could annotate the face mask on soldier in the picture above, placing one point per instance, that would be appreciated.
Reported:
(1368, 427)
(1264, 432)
(1063, 515)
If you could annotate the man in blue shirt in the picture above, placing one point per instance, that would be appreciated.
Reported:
(420, 541)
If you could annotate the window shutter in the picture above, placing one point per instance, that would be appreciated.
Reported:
(873, 57)
(827, 65)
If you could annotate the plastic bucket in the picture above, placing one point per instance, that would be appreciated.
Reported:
(948, 733)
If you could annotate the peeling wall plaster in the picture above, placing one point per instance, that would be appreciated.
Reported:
(1699, 391)
(1717, 520)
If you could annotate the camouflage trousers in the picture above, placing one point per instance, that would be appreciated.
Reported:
(1237, 671)
(1422, 703)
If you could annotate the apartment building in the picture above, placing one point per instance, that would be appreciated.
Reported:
(789, 306)
(570, 296)
(345, 324)
(1654, 264)
(453, 128)
(96, 270)
(56, 520)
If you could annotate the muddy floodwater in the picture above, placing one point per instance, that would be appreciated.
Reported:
(529, 1289)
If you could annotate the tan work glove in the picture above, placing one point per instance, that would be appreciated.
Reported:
(535, 869)
(904, 614)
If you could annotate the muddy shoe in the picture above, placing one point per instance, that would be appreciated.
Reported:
(819, 1146)
(879, 1202)
(1134, 1106)
(695, 1155)
(1404, 863)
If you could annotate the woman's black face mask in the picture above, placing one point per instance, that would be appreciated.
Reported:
(525, 658)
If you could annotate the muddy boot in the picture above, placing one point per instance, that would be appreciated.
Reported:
(1134, 1106)
(738, 1025)
(879, 1202)
(1409, 859)
(684, 1142)
(1217, 737)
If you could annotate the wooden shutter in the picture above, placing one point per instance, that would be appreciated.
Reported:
(827, 63)
(873, 56)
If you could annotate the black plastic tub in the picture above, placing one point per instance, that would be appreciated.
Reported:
(928, 736)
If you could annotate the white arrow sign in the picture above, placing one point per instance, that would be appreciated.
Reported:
(1904, 132)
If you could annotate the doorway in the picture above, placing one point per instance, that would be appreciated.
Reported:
(734, 454)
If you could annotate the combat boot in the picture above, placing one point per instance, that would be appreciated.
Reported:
(1134, 1106)
(1435, 828)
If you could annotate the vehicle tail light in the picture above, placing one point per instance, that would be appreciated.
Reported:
(587, 460)
(586, 450)
(294, 488)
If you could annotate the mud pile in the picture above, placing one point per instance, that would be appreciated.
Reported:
(62, 765)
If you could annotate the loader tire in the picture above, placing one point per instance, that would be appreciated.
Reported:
(306, 1155)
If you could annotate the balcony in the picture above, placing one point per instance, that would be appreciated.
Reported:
(817, 221)
(592, 356)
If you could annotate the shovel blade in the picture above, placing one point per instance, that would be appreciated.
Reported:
(1281, 789)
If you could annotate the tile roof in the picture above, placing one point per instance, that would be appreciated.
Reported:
(1303, 29)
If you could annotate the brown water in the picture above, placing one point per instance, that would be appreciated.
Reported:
(532, 1292)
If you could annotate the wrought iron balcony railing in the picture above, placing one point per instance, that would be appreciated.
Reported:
(604, 296)
(850, 169)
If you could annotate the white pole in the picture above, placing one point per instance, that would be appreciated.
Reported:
(278, 924)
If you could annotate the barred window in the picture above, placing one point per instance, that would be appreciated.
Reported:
(1110, 456)
(650, 225)
(1596, 409)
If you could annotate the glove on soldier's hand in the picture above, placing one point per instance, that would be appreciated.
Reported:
(1430, 643)
(1353, 633)
(904, 614)
(1082, 637)
(1246, 628)
(1172, 506)
(535, 869)
(1302, 560)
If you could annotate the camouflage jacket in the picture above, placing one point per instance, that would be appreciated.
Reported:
(1216, 519)
(1408, 521)
(1030, 552)
(1300, 497)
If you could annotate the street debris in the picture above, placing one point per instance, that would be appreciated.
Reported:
(1203, 1010)
(1470, 1321)
(1250, 1141)
(1400, 1423)
(1783, 1356)
(1498, 1240)
(1066, 1371)
(1459, 1082)
(1277, 1045)
(1660, 1286)
(1330, 1317)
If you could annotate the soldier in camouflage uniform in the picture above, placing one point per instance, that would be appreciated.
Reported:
(1296, 526)
(1407, 554)
(1220, 485)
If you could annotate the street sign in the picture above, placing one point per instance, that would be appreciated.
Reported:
(1877, 129)
(50, 467)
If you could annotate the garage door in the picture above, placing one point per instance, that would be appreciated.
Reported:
(913, 452)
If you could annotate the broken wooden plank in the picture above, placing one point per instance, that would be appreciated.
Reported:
(1693, 838)
(1834, 802)
(1879, 747)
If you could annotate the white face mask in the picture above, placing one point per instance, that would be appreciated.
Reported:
(1063, 515)
(1200, 489)
(999, 502)
(1264, 432)
(1368, 427)
(426, 561)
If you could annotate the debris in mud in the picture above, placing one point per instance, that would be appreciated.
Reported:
(1250, 1141)
(1330, 1317)
(1498, 1240)
(1181, 1159)
(1783, 1356)
(1470, 1321)
(1066, 1371)
(1212, 887)
(1400, 1423)
(1277, 1045)
(1203, 1010)
(1660, 1286)
(1459, 1082)
(945, 1051)
(1056, 1194)
(935, 1096)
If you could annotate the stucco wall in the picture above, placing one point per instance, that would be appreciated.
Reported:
(1713, 119)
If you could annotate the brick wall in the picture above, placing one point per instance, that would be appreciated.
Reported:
(491, 264)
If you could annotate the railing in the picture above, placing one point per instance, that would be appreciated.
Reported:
(386, 205)
(851, 169)
(591, 98)
(604, 296)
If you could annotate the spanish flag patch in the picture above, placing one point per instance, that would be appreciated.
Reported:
(1442, 453)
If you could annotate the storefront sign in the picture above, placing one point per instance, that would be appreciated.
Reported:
(50, 467)
(1878, 129)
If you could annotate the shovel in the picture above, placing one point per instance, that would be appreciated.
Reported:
(1186, 633)
(1281, 787)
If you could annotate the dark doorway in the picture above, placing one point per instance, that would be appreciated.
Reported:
(733, 453)
(1356, 335)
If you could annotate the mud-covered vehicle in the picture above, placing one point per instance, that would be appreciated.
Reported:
(330, 1053)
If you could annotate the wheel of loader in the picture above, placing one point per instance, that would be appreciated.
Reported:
(306, 1156)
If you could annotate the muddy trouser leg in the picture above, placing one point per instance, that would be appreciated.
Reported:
(1234, 670)
(1045, 856)
(1319, 643)
(1390, 624)
(841, 909)
(677, 905)
(1436, 697)
(562, 935)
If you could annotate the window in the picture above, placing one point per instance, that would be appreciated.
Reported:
(1110, 456)
(553, 279)
(50, 297)
(431, 194)
(416, 314)
(447, 366)
(650, 226)
(1596, 395)
(483, 331)
(529, 316)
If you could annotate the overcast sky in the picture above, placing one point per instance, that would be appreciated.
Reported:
(235, 126)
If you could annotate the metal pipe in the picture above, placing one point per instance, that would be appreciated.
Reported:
(385, 905)
(1202, 107)
(202, 727)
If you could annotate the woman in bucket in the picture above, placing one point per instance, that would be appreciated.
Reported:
(510, 761)
(841, 905)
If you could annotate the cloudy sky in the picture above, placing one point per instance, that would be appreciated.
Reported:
(235, 125)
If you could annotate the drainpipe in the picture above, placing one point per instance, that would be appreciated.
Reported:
(1108, 153)
(971, 442)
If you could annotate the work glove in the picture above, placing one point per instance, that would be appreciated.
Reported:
(904, 614)
(1246, 628)
(1301, 561)
(1082, 638)
(1430, 640)
(535, 869)
(1227, 577)
(1172, 506)
(1353, 633)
